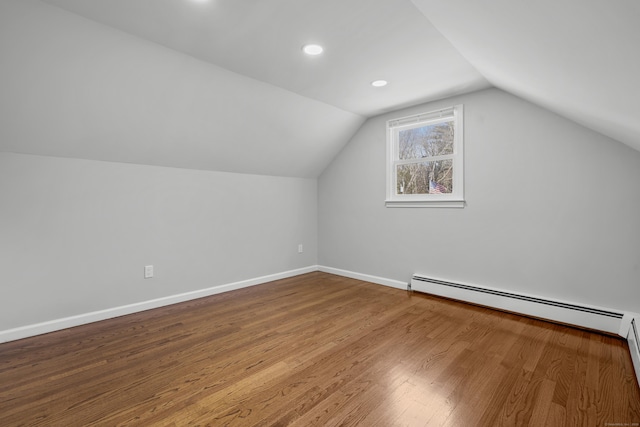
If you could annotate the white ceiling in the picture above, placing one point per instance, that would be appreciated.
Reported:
(364, 40)
(200, 85)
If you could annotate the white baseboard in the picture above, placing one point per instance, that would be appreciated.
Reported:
(633, 336)
(82, 319)
(365, 277)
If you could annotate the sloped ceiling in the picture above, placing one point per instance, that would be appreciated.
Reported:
(364, 40)
(223, 84)
(578, 58)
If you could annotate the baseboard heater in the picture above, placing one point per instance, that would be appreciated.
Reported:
(634, 345)
(573, 314)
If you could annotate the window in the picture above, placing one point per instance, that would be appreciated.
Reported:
(425, 163)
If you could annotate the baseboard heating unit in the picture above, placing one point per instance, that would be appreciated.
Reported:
(634, 345)
(600, 319)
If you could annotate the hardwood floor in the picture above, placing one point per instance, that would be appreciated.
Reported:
(319, 350)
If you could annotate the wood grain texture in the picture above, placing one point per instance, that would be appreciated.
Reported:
(319, 350)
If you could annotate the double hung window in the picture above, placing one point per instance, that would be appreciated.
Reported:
(425, 159)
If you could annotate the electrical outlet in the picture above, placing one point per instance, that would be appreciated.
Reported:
(148, 271)
(300, 249)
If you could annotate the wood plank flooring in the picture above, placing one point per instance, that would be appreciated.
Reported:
(319, 350)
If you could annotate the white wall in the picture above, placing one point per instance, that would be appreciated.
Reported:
(552, 208)
(76, 234)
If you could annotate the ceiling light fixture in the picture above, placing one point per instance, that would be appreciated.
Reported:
(379, 83)
(312, 49)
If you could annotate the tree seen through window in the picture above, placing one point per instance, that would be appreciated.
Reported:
(433, 175)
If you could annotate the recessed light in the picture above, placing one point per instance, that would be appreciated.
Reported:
(379, 83)
(312, 49)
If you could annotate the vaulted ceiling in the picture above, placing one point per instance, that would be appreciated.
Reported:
(252, 102)
(364, 40)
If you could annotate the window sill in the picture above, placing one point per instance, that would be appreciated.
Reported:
(424, 203)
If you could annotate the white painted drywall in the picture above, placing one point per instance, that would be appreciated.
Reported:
(552, 208)
(70, 87)
(75, 235)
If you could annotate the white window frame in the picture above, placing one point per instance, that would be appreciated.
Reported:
(452, 200)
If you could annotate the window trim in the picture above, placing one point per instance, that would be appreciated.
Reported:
(453, 200)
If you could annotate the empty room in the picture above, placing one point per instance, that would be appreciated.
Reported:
(332, 213)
